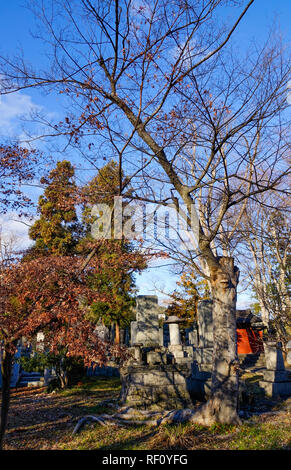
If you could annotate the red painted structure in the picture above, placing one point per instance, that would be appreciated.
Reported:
(249, 333)
(249, 341)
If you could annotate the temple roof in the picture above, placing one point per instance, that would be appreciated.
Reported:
(246, 317)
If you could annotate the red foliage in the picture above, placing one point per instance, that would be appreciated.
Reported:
(50, 295)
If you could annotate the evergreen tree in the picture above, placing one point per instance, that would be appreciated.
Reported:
(107, 184)
(57, 231)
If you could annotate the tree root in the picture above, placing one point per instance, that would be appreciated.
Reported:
(130, 416)
(124, 416)
(86, 419)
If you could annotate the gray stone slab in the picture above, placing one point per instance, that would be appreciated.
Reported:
(277, 376)
(133, 332)
(203, 355)
(274, 389)
(273, 356)
(155, 357)
(205, 323)
(137, 379)
(177, 350)
(146, 329)
(192, 337)
(158, 378)
(175, 337)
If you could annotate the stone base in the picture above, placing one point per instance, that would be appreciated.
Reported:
(274, 356)
(277, 376)
(156, 387)
(276, 383)
(200, 381)
(273, 389)
(155, 357)
(203, 355)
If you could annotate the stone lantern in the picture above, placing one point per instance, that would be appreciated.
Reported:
(174, 329)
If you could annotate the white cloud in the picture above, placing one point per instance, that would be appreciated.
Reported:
(12, 108)
(14, 228)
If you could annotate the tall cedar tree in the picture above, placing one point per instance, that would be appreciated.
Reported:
(102, 189)
(57, 231)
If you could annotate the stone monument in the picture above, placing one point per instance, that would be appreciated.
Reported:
(146, 330)
(156, 377)
(277, 380)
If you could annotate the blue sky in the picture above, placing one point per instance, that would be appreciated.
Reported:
(16, 23)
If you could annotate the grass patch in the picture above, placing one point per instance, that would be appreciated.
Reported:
(39, 420)
(109, 438)
(263, 436)
(93, 385)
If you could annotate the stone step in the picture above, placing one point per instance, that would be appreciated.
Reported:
(30, 376)
(35, 383)
(252, 360)
(30, 379)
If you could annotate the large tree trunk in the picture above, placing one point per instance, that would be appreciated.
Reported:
(6, 370)
(222, 407)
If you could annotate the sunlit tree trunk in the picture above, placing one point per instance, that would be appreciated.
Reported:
(222, 406)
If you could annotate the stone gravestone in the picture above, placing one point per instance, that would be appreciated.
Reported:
(146, 329)
(102, 331)
(191, 337)
(16, 369)
(155, 377)
(273, 356)
(15, 373)
(204, 351)
(277, 381)
(205, 326)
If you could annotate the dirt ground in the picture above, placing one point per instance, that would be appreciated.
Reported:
(40, 420)
(45, 421)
